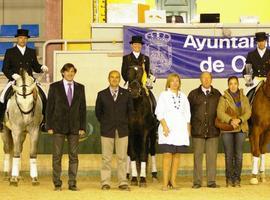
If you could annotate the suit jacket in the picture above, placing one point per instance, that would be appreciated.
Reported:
(260, 66)
(203, 113)
(14, 60)
(112, 114)
(130, 60)
(62, 118)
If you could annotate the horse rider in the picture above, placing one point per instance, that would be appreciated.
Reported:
(260, 61)
(17, 58)
(136, 58)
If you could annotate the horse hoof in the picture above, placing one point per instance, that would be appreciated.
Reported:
(142, 182)
(6, 176)
(134, 181)
(262, 178)
(155, 180)
(13, 181)
(254, 181)
(35, 181)
(154, 177)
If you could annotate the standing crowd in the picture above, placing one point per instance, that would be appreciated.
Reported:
(180, 116)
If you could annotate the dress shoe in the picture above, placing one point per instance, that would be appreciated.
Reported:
(57, 188)
(124, 187)
(229, 183)
(237, 183)
(105, 187)
(196, 186)
(213, 185)
(73, 188)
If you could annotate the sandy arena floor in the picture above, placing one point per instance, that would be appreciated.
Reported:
(90, 190)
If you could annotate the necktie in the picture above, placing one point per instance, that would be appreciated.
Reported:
(114, 95)
(69, 94)
(207, 92)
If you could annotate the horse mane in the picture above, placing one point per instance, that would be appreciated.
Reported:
(266, 86)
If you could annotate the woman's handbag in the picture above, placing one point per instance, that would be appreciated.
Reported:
(225, 126)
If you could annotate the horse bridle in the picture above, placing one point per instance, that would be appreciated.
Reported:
(24, 96)
(138, 84)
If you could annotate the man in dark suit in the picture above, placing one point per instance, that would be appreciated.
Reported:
(17, 58)
(66, 118)
(113, 107)
(260, 61)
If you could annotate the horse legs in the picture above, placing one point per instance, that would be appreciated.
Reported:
(152, 150)
(263, 148)
(255, 149)
(16, 158)
(132, 154)
(143, 158)
(34, 134)
(128, 166)
(8, 148)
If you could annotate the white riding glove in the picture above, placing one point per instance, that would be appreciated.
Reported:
(16, 76)
(44, 68)
(150, 81)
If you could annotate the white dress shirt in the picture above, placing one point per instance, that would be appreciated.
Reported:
(136, 54)
(261, 51)
(116, 91)
(22, 49)
(204, 90)
(175, 110)
(66, 85)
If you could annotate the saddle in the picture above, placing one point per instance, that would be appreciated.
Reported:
(251, 93)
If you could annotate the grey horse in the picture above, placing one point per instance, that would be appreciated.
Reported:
(23, 115)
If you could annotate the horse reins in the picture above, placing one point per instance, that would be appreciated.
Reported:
(25, 112)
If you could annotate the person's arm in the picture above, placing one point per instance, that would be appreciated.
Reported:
(35, 64)
(124, 69)
(160, 113)
(187, 115)
(83, 111)
(147, 66)
(221, 111)
(50, 109)
(248, 61)
(246, 110)
(7, 68)
(99, 107)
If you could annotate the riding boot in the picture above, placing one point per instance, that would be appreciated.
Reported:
(250, 95)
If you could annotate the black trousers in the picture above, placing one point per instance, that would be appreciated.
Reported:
(73, 145)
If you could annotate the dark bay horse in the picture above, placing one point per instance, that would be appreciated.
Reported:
(142, 126)
(260, 132)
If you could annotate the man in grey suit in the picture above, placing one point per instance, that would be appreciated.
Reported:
(113, 107)
(66, 118)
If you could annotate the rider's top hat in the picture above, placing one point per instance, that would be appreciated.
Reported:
(22, 32)
(260, 36)
(136, 39)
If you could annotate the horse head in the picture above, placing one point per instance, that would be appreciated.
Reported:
(24, 89)
(134, 81)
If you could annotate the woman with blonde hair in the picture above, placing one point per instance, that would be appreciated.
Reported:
(173, 112)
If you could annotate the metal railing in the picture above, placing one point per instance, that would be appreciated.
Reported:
(66, 42)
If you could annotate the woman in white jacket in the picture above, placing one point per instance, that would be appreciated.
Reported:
(173, 112)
